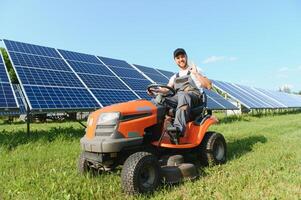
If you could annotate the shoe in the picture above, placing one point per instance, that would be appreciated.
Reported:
(174, 134)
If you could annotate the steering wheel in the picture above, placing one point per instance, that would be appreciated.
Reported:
(152, 89)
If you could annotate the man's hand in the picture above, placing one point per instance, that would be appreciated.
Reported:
(157, 90)
(205, 82)
(193, 69)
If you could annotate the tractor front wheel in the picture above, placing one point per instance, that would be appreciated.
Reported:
(140, 173)
(82, 164)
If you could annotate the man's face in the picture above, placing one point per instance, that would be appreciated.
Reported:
(181, 61)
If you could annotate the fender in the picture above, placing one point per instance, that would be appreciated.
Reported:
(193, 135)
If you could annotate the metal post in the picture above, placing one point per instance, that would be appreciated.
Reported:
(28, 120)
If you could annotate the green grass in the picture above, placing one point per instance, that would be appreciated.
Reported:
(264, 162)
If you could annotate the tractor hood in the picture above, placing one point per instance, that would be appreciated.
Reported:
(129, 108)
(130, 117)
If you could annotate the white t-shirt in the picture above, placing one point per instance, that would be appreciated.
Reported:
(184, 72)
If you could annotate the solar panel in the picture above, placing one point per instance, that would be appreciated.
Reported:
(109, 97)
(35, 61)
(47, 81)
(256, 98)
(297, 99)
(263, 97)
(115, 62)
(21, 102)
(137, 84)
(30, 49)
(240, 95)
(54, 98)
(21, 99)
(35, 76)
(3, 74)
(129, 75)
(70, 55)
(127, 72)
(284, 98)
(153, 74)
(143, 95)
(167, 74)
(90, 68)
(7, 96)
(217, 102)
(102, 82)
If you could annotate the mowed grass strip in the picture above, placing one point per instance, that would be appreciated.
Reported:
(264, 162)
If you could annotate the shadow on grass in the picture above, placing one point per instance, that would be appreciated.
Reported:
(242, 146)
(18, 122)
(12, 139)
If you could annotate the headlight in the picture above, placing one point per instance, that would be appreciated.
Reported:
(108, 118)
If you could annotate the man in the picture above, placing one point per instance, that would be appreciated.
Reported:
(188, 83)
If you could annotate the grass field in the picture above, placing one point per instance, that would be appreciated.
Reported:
(264, 162)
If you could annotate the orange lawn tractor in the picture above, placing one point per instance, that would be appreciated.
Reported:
(132, 134)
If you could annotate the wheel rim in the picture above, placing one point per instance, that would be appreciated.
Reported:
(147, 176)
(219, 151)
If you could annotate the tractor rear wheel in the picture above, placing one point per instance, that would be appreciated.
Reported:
(213, 149)
(140, 173)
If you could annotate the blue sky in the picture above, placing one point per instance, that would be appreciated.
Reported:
(256, 43)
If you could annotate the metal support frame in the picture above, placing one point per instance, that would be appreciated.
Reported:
(81, 123)
(28, 115)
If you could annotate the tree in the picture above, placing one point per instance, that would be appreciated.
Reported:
(285, 88)
(10, 69)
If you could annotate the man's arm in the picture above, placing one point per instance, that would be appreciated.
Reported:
(205, 82)
(170, 84)
(165, 90)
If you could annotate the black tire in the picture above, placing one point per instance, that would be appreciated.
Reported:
(82, 164)
(140, 173)
(213, 149)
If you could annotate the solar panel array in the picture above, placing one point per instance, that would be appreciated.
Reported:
(214, 100)
(55, 79)
(256, 98)
(47, 81)
(288, 100)
(7, 95)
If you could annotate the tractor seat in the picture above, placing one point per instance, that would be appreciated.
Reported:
(197, 110)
